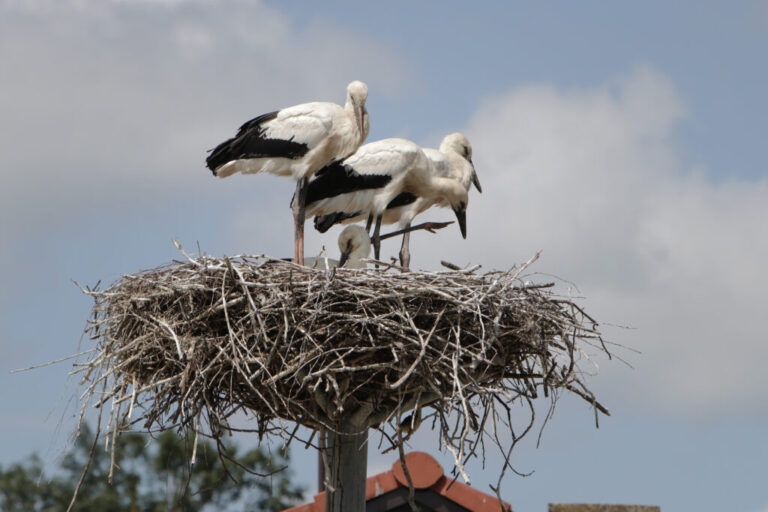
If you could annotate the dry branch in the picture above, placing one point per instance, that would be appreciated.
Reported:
(193, 343)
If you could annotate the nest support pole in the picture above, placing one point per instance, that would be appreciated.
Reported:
(346, 460)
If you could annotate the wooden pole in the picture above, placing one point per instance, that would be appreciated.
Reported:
(347, 460)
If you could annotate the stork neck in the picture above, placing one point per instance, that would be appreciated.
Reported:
(441, 186)
(356, 258)
(460, 168)
(359, 115)
(365, 128)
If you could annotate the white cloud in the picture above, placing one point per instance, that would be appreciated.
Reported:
(113, 100)
(592, 177)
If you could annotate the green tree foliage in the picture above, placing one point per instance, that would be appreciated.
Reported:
(152, 475)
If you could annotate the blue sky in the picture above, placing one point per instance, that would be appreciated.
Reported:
(710, 49)
(624, 141)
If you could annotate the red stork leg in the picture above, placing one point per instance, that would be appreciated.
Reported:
(299, 212)
(405, 253)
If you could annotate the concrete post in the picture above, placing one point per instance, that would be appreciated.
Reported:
(347, 460)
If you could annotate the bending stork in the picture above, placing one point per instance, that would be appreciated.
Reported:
(296, 141)
(377, 173)
(453, 160)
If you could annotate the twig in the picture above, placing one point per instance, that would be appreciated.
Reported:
(290, 346)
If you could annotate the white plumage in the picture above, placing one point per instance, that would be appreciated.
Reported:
(374, 175)
(296, 141)
(355, 246)
(367, 180)
(452, 161)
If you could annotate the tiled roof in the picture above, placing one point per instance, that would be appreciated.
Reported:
(426, 473)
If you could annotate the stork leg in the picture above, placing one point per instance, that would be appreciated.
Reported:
(369, 222)
(375, 238)
(299, 211)
(405, 253)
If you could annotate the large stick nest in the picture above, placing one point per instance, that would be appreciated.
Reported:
(192, 343)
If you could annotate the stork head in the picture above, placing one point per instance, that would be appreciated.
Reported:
(357, 94)
(456, 195)
(458, 143)
(354, 244)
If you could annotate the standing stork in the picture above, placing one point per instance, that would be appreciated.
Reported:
(453, 161)
(296, 141)
(378, 172)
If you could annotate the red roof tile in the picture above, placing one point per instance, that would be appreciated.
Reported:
(426, 473)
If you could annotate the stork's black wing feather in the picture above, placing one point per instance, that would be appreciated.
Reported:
(256, 122)
(325, 222)
(402, 199)
(336, 178)
(251, 143)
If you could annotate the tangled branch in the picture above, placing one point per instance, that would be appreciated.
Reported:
(193, 343)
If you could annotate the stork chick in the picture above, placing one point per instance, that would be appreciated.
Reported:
(355, 246)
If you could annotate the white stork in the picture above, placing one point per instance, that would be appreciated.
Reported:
(453, 161)
(355, 246)
(296, 141)
(376, 174)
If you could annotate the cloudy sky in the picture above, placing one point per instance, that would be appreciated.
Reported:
(625, 142)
